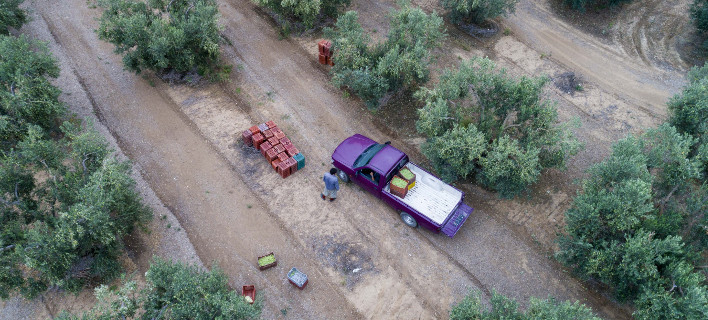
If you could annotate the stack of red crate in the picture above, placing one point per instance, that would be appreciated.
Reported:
(274, 146)
(325, 51)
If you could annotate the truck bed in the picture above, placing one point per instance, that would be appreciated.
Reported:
(430, 196)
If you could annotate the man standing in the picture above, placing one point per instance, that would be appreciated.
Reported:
(331, 185)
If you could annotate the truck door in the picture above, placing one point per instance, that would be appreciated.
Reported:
(369, 180)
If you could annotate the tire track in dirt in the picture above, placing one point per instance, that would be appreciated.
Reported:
(605, 66)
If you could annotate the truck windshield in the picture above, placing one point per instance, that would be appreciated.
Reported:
(368, 153)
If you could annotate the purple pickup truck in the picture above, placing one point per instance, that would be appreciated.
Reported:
(430, 203)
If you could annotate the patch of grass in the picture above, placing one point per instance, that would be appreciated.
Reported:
(346, 94)
(169, 225)
(462, 44)
(238, 90)
(163, 217)
(285, 117)
(249, 206)
(579, 87)
(545, 55)
(507, 31)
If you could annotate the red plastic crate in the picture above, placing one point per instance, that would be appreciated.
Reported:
(291, 150)
(271, 155)
(292, 165)
(324, 47)
(330, 61)
(265, 146)
(276, 130)
(280, 148)
(268, 134)
(262, 127)
(285, 142)
(246, 136)
(275, 163)
(323, 59)
(283, 156)
(254, 130)
(280, 135)
(271, 124)
(283, 170)
(273, 141)
(258, 138)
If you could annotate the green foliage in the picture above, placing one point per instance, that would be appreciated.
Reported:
(517, 134)
(455, 153)
(27, 98)
(66, 207)
(478, 10)
(699, 15)
(503, 308)
(508, 168)
(164, 35)
(11, 16)
(173, 291)
(372, 71)
(630, 226)
(305, 11)
(582, 5)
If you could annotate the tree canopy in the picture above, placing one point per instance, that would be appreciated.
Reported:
(306, 12)
(640, 225)
(65, 202)
(11, 16)
(164, 35)
(503, 308)
(478, 10)
(400, 62)
(583, 5)
(484, 124)
(174, 291)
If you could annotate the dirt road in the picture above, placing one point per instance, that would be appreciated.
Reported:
(362, 261)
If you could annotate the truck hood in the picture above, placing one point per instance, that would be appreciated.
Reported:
(347, 151)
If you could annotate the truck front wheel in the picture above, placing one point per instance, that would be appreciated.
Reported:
(408, 220)
(343, 176)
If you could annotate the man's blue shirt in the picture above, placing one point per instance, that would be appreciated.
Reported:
(331, 181)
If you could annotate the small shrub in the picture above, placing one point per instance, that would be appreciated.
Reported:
(11, 16)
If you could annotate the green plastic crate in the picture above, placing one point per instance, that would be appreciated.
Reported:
(300, 160)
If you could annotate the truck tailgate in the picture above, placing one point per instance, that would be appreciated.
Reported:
(456, 220)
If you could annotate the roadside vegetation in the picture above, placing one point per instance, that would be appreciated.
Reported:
(485, 125)
(65, 201)
(173, 291)
(11, 16)
(583, 5)
(640, 223)
(376, 72)
(170, 37)
(304, 12)
(699, 16)
(477, 11)
(503, 308)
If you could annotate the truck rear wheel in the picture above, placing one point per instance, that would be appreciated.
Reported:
(342, 176)
(408, 220)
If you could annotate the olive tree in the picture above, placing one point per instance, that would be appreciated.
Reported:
(582, 5)
(520, 132)
(304, 11)
(164, 35)
(27, 97)
(503, 308)
(400, 62)
(173, 291)
(478, 11)
(632, 226)
(11, 16)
